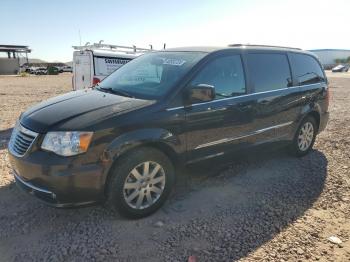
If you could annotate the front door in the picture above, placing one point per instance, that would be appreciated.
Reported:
(216, 126)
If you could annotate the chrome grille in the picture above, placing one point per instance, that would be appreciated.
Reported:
(21, 140)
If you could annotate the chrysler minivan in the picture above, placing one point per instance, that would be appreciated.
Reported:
(121, 141)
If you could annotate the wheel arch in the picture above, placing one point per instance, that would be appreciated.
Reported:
(124, 145)
(316, 116)
(313, 111)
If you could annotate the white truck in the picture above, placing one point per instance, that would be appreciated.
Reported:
(92, 63)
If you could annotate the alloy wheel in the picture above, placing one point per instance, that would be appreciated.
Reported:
(144, 185)
(306, 135)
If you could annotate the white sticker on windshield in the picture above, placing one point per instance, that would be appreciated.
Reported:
(172, 61)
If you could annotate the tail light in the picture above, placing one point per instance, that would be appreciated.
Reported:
(95, 81)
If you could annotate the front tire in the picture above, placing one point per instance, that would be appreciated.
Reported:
(304, 138)
(140, 182)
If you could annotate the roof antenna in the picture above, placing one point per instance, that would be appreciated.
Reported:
(79, 37)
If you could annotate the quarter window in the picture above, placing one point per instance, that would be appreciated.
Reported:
(306, 69)
(269, 71)
(225, 74)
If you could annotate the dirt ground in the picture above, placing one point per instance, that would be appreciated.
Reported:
(269, 207)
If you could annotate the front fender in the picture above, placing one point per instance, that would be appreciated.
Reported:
(133, 139)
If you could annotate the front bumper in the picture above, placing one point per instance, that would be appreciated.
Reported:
(58, 181)
(46, 196)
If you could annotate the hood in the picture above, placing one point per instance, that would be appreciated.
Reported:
(77, 110)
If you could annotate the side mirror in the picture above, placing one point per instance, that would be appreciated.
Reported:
(201, 93)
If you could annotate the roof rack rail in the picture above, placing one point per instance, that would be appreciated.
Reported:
(236, 45)
(116, 48)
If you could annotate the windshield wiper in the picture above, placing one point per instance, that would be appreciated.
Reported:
(114, 91)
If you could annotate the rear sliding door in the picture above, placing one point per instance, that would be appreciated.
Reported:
(276, 104)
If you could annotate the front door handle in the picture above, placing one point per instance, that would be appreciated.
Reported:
(264, 102)
(244, 107)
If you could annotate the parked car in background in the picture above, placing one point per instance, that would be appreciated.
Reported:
(52, 70)
(40, 71)
(28, 70)
(340, 68)
(31, 70)
(121, 142)
(66, 69)
(92, 63)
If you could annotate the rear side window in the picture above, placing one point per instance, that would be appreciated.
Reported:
(225, 74)
(269, 71)
(306, 69)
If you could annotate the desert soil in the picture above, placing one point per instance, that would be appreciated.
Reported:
(265, 207)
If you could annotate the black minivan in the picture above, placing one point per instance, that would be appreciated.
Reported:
(120, 141)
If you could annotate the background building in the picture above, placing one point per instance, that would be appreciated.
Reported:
(10, 56)
(331, 57)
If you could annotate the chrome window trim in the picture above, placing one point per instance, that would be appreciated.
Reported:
(174, 108)
(235, 97)
(229, 139)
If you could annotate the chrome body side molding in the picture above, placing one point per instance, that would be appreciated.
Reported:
(229, 139)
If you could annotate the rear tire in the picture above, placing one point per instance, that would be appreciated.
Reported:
(140, 182)
(304, 138)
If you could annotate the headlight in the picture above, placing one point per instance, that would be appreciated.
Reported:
(67, 143)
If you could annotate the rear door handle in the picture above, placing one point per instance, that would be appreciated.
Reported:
(306, 97)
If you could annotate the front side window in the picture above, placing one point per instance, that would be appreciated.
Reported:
(151, 75)
(306, 69)
(269, 71)
(225, 74)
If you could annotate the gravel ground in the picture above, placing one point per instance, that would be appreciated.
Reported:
(268, 207)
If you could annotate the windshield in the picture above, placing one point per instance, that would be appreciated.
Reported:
(151, 75)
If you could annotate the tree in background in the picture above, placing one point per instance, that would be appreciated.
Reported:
(342, 60)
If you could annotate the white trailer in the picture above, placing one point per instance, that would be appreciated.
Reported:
(92, 63)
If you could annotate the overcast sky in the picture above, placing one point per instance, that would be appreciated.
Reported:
(50, 28)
